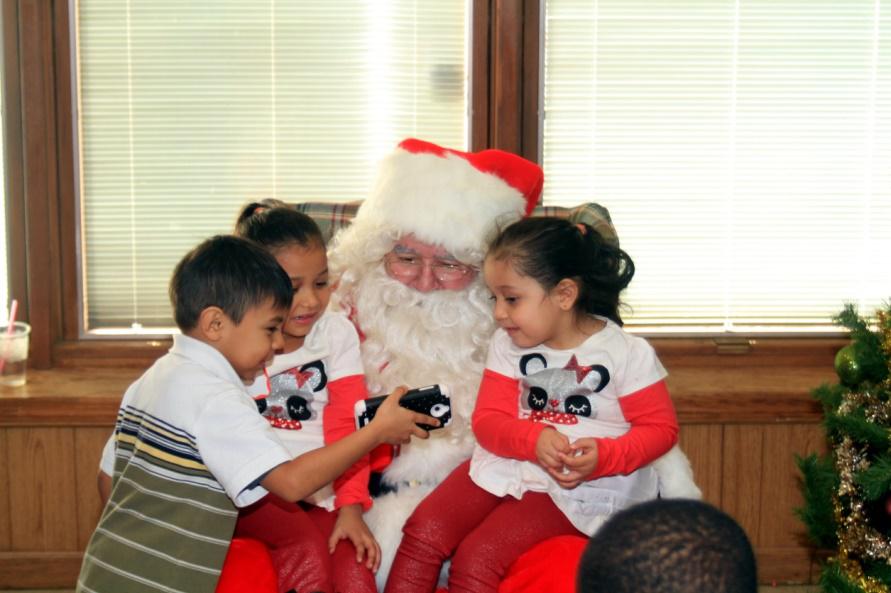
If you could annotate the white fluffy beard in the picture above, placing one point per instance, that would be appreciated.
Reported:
(417, 339)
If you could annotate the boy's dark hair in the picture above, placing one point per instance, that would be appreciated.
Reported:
(669, 546)
(274, 225)
(550, 249)
(228, 272)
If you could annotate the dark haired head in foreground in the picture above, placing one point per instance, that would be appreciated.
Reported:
(669, 546)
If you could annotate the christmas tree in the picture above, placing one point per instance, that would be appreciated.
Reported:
(847, 492)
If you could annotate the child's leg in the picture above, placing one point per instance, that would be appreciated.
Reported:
(435, 530)
(348, 576)
(484, 556)
(299, 552)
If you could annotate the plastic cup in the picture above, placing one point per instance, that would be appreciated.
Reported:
(14, 353)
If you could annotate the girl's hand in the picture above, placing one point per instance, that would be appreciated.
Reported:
(578, 465)
(351, 526)
(549, 446)
(395, 424)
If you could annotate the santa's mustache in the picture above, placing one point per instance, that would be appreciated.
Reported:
(400, 319)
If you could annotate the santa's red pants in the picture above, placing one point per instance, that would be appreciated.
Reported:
(482, 533)
(297, 538)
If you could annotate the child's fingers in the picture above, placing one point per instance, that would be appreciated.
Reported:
(368, 549)
(360, 550)
(392, 400)
(560, 441)
(583, 446)
(551, 462)
(375, 556)
(425, 419)
(420, 432)
(579, 461)
(565, 479)
(336, 536)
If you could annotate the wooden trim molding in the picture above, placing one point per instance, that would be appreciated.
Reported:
(39, 570)
(751, 393)
(40, 181)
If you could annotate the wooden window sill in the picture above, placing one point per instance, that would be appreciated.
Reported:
(770, 384)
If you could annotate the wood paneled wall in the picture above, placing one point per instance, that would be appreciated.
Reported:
(741, 435)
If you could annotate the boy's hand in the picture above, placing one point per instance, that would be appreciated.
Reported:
(577, 465)
(549, 446)
(395, 424)
(351, 526)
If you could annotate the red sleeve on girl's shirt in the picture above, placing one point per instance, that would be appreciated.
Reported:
(495, 421)
(654, 430)
(338, 421)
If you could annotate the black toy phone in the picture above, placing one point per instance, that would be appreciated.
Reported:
(427, 400)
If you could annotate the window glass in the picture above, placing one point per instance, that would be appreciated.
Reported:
(743, 148)
(188, 110)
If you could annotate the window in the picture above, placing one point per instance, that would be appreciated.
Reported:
(743, 148)
(188, 110)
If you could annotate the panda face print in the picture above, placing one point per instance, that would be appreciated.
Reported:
(291, 396)
(560, 396)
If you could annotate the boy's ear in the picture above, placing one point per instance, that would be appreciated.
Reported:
(212, 323)
(566, 293)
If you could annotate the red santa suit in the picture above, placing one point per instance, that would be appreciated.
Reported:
(448, 199)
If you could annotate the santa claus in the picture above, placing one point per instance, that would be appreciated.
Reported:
(409, 277)
(408, 269)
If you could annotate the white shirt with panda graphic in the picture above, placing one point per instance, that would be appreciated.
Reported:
(292, 392)
(577, 392)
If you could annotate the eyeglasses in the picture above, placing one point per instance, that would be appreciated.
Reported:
(407, 267)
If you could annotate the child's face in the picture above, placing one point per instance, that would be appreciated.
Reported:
(307, 267)
(250, 344)
(529, 314)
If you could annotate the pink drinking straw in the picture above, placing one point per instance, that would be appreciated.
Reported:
(10, 329)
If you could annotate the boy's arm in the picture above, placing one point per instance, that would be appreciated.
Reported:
(103, 481)
(303, 475)
(338, 422)
(106, 469)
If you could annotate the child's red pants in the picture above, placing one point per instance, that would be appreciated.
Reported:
(297, 538)
(482, 533)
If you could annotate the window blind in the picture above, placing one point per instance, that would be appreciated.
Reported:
(188, 110)
(742, 147)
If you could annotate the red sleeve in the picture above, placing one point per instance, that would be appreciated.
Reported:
(338, 422)
(654, 430)
(495, 421)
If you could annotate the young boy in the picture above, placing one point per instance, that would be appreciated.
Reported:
(190, 446)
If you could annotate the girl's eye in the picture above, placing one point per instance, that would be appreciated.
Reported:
(511, 300)
(321, 284)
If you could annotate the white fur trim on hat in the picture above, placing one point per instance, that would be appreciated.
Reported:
(443, 199)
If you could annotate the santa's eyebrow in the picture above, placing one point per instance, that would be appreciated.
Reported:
(445, 257)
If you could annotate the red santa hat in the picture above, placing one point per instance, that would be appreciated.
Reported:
(448, 197)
